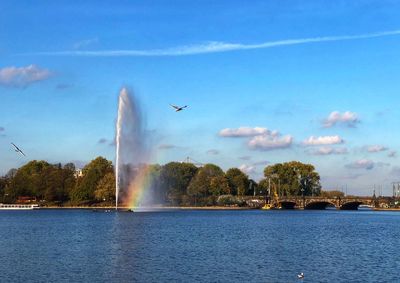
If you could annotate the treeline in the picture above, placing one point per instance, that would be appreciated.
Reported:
(175, 183)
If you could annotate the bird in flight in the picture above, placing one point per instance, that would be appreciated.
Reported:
(178, 108)
(16, 148)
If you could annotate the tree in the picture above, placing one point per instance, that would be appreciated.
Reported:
(294, 178)
(92, 174)
(200, 186)
(105, 190)
(175, 178)
(238, 181)
(219, 185)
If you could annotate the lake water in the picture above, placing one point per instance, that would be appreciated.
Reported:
(199, 246)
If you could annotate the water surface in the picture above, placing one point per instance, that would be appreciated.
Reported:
(199, 246)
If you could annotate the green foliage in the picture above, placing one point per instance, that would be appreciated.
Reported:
(238, 181)
(105, 190)
(173, 183)
(175, 178)
(201, 184)
(230, 200)
(92, 174)
(293, 178)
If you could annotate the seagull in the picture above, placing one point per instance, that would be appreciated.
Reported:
(177, 108)
(300, 276)
(17, 149)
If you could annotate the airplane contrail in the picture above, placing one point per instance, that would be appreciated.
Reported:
(211, 47)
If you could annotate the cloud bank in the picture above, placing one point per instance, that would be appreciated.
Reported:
(214, 46)
(22, 76)
(324, 140)
(349, 119)
(245, 132)
(260, 138)
(270, 142)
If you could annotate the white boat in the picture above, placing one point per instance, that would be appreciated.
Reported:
(4, 206)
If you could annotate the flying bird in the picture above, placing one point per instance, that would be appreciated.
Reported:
(16, 148)
(178, 108)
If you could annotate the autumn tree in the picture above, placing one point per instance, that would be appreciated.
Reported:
(294, 178)
(238, 181)
(105, 190)
(92, 174)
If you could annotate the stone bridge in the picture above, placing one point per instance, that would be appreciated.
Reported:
(309, 202)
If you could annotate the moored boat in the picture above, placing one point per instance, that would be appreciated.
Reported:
(4, 206)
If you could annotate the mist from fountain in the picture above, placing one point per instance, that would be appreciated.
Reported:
(131, 146)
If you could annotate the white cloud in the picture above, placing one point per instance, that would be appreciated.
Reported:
(270, 142)
(349, 119)
(327, 150)
(215, 46)
(324, 140)
(392, 154)
(362, 164)
(22, 76)
(247, 169)
(376, 148)
(260, 138)
(245, 132)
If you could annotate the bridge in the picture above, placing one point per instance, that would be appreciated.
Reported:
(312, 202)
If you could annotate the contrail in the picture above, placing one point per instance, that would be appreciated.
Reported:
(212, 47)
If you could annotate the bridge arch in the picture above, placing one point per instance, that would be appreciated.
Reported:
(287, 204)
(318, 205)
(352, 205)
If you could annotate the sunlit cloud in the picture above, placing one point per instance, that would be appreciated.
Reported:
(323, 140)
(214, 46)
(245, 132)
(270, 142)
(22, 76)
(349, 119)
(247, 169)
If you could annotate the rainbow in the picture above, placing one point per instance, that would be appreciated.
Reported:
(137, 188)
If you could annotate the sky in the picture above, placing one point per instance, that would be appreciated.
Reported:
(265, 82)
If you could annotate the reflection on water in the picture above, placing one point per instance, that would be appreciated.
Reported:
(199, 246)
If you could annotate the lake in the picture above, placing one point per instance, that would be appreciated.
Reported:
(199, 246)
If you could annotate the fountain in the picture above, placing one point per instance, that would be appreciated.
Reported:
(131, 148)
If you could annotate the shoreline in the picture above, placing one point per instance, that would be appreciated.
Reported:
(151, 208)
(155, 208)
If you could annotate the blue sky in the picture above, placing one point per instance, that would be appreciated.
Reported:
(323, 74)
